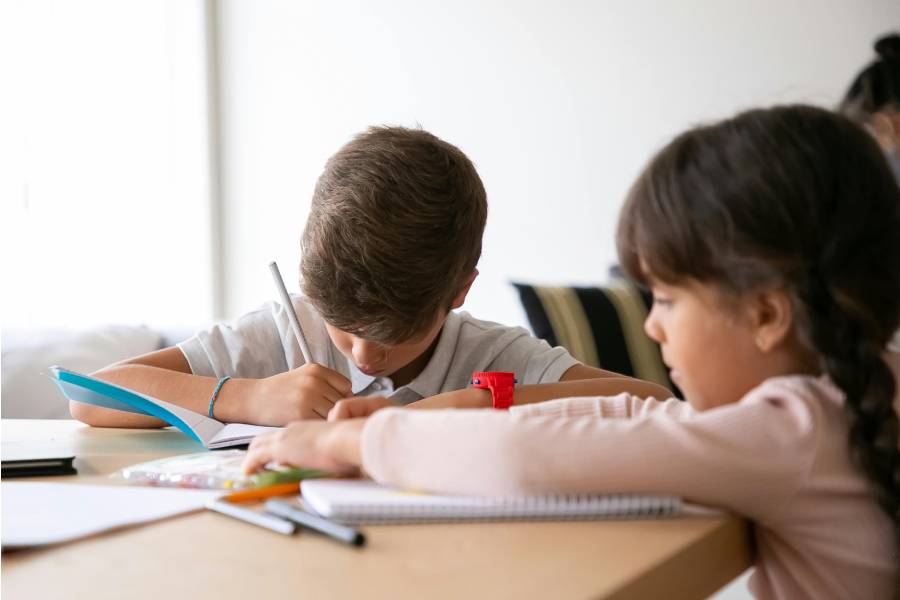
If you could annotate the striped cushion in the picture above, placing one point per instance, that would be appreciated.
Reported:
(600, 326)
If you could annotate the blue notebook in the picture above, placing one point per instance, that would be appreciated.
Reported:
(209, 432)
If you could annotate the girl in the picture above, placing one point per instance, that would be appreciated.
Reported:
(771, 243)
(873, 99)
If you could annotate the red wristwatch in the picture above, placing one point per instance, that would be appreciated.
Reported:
(500, 383)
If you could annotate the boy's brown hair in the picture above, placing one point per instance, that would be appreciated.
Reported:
(393, 235)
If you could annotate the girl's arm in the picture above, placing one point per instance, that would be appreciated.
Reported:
(621, 406)
(749, 456)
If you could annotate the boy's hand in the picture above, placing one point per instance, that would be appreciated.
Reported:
(331, 447)
(307, 392)
(359, 406)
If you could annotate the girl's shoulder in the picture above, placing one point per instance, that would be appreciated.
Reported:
(808, 399)
(812, 400)
(815, 390)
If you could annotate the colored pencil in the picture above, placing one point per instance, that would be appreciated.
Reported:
(282, 489)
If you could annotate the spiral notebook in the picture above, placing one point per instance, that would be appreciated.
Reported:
(360, 502)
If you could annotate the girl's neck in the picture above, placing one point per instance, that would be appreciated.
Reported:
(791, 358)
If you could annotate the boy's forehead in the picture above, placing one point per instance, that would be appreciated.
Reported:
(359, 332)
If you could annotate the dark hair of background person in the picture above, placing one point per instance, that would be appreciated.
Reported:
(877, 87)
(393, 235)
(802, 199)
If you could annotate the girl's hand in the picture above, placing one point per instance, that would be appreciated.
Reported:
(359, 406)
(307, 392)
(331, 447)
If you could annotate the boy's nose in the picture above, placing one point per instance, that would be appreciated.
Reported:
(367, 354)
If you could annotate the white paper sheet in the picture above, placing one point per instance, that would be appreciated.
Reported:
(35, 514)
(237, 433)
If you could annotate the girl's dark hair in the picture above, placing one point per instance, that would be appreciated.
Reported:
(877, 87)
(803, 199)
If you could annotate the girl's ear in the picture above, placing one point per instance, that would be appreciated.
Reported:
(771, 318)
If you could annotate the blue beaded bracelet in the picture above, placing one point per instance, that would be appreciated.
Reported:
(215, 396)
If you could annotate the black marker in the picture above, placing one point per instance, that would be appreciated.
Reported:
(341, 533)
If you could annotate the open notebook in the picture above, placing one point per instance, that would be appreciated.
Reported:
(356, 501)
(209, 432)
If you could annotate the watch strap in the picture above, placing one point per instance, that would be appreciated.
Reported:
(500, 383)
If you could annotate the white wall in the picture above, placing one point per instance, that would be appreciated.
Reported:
(559, 104)
(104, 191)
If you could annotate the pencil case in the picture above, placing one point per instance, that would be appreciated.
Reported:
(219, 470)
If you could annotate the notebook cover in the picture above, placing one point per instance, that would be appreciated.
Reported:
(211, 433)
(89, 390)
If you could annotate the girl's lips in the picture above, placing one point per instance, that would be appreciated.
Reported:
(370, 372)
(674, 375)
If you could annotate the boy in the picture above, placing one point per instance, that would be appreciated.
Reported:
(389, 251)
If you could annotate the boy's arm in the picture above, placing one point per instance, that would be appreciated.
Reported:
(578, 380)
(306, 392)
(163, 374)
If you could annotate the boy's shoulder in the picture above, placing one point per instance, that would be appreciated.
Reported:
(261, 343)
(468, 344)
(471, 328)
(480, 340)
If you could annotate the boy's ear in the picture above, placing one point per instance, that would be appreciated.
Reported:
(461, 296)
(771, 318)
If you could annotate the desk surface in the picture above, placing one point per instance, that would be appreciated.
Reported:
(204, 555)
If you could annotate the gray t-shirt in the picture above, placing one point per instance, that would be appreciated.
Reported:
(262, 343)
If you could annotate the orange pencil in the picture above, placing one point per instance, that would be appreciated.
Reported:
(282, 489)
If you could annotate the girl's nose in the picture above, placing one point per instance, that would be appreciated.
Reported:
(652, 327)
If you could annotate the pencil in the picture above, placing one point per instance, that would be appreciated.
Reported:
(292, 316)
(282, 489)
(335, 531)
(268, 521)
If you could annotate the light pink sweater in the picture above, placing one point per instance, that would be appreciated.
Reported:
(778, 457)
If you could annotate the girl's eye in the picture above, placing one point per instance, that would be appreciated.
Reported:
(661, 300)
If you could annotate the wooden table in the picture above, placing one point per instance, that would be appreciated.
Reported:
(205, 555)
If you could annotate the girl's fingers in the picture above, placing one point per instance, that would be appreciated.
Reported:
(259, 454)
(351, 408)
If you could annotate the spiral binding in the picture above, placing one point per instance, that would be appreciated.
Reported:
(572, 507)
